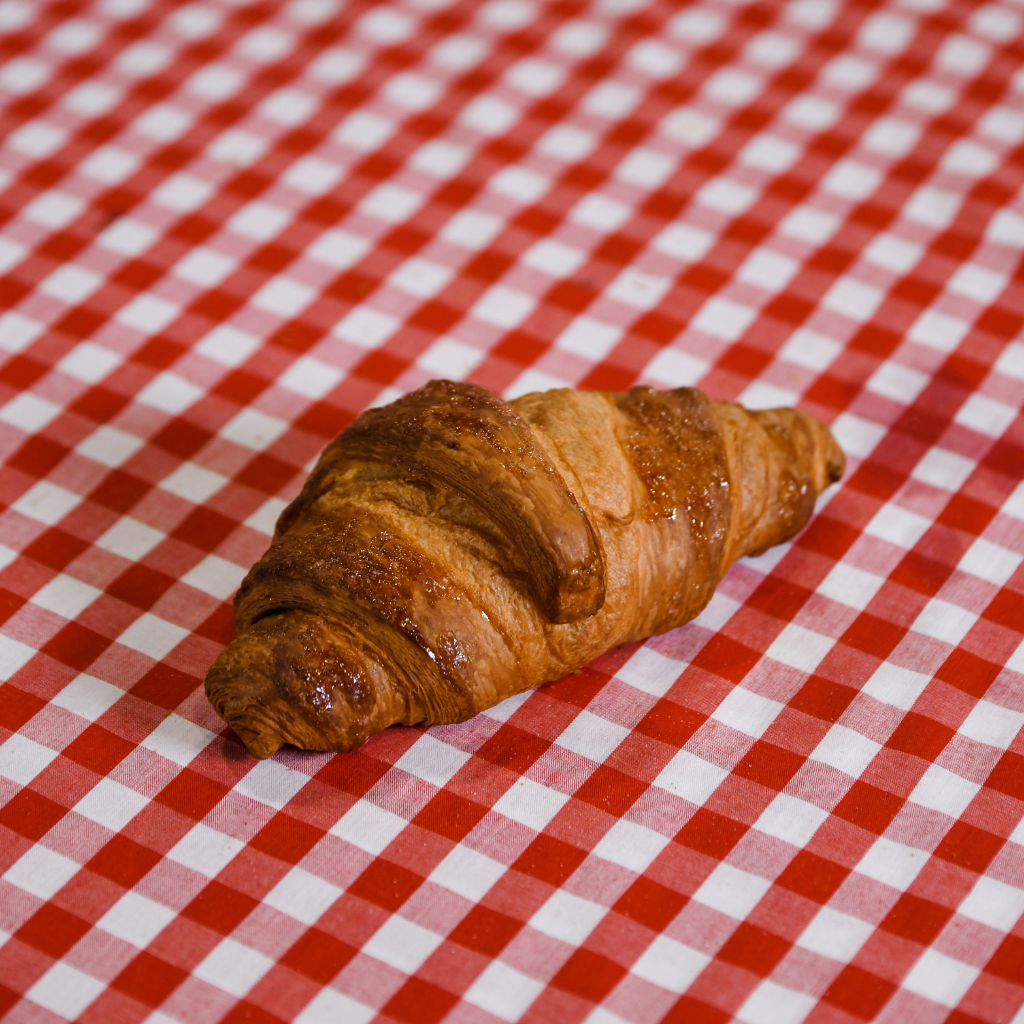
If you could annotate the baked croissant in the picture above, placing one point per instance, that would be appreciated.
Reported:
(452, 549)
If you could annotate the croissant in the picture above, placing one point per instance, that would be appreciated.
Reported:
(451, 549)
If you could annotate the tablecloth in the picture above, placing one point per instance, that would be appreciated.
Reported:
(228, 227)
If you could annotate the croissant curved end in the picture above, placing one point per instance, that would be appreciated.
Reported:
(293, 679)
(247, 701)
(830, 462)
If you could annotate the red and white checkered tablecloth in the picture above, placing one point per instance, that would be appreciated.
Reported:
(226, 227)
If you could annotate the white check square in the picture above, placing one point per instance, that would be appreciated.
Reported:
(66, 596)
(676, 369)
(746, 711)
(330, 1007)
(87, 697)
(631, 845)
(670, 964)
(311, 377)
(152, 636)
(253, 429)
(271, 783)
(366, 327)
(402, 944)
(566, 142)
(990, 561)
(233, 967)
(215, 576)
(178, 739)
(690, 777)
(853, 299)
(368, 826)
(451, 359)
(182, 193)
(940, 978)
(363, 131)
(992, 724)
(944, 621)
(503, 306)
(204, 267)
(339, 249)
(169, 392)
(592, 736)
(313, 176)
(648, 168)
(897, 686)
(71, 284)
(22, 759)
(205, 850)
(589, 338)
(849, 751)
(391, 203)
(944, 791)
(302, 895)
(897, 525)
(530, 803)
(41, 871)
(193, 483)
(110, 804)
(554, 258)
(432, 760)
(109, 446)
(732, 891)
(771, 1003)
(771, 271)
(567, 917)
(800, 648)
(993, 903)
(228, 345)
(259, 221)
(467, 872)
(723, 318)
(944, 469)
(600, 212)
(29, 412)
(65, 990)
(683, 242)
(892, 863)
(130, 539)
(850, 586)
(791, 819)
(420, 277)
(46, 502)
(440, 158)
(986, 415)
(938, 330)
(136, 919)
(893, 253)
(835, 934)
(503, 991)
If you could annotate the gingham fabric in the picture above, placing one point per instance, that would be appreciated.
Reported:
(227, 227)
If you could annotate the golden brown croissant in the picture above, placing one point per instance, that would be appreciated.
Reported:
(451, 549)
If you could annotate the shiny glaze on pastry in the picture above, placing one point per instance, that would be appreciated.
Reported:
(451, 549)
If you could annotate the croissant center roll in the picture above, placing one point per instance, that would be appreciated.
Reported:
(450, 550)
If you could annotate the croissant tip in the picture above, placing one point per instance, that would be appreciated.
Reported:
(236, 697)
(257, 736)
(835, 461)
(260, 741)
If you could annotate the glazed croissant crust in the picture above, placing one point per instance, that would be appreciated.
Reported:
(452, 549)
